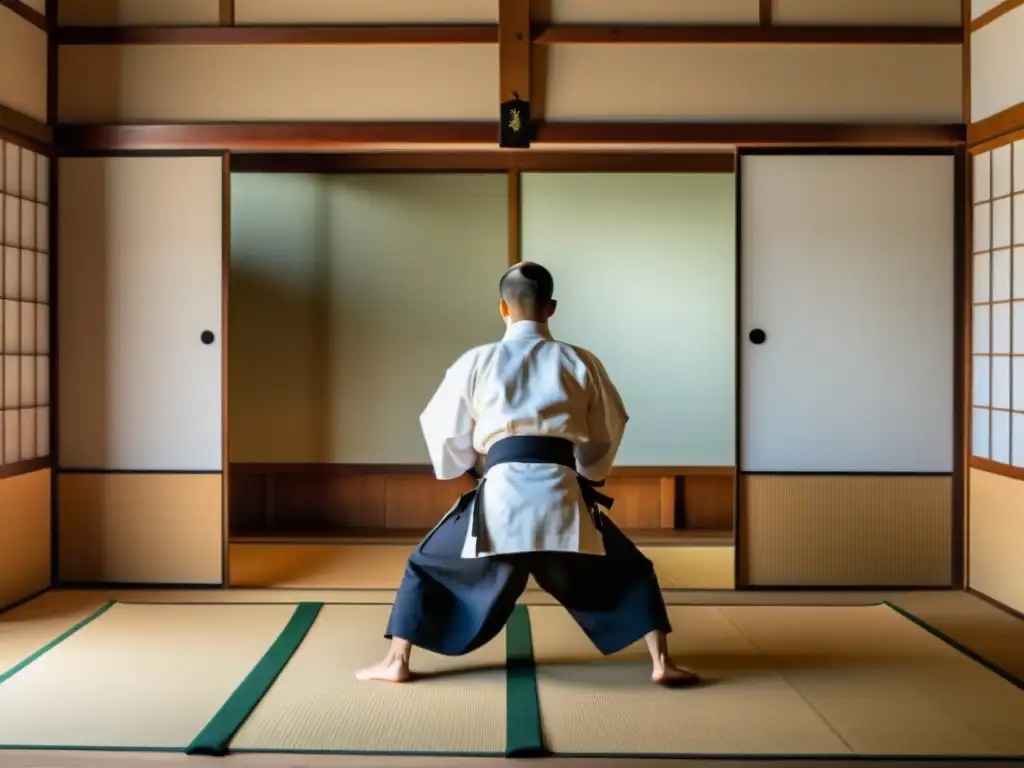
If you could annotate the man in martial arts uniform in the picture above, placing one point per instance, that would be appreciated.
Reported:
(546, 421)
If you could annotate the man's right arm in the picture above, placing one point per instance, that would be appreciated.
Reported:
(606, 424)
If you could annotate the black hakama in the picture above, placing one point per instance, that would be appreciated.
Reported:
(452, 605)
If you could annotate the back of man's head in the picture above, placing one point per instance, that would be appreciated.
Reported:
(528, 290)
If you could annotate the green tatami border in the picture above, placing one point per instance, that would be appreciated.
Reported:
(216, 737)
(524, 734)
(46, 649)
(4, 677)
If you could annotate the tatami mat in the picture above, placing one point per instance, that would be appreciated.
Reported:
(138, 677)
(27, 628)
(796, 680)
(888, 686)
(380, 566)
(792, 680)
(317, 705)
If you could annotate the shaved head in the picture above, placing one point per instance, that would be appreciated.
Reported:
(527, 289)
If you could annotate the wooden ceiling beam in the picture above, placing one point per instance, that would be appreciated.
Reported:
(19, 128)
(992, 14)
(277, 137)
(349, 34)
(31, 15)
(755, 134)
(769, 34)
(990, 129)
(489, 34)
(487, 160)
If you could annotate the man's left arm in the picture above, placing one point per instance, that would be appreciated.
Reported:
(448, 423)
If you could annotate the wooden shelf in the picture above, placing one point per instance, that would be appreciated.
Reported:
(383, 536)
(280, 501)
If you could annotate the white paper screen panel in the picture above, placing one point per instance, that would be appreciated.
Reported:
(350, 297)
(24, 305)
(847, 265)
(997, 65)
(997, 290)
(139, 281)
(644, 268)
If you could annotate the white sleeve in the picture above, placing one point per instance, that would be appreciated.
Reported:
(606, 424)
(447, 423)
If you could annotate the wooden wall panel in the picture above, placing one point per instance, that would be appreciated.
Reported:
(129, 13)
(937, 13)
(707, 502)
(137, 83)
(321, 499)
(847, 531)
(140, 528)
(637, 502)
(996, 532)
(24, 536)
(771, 83)
(365, 11)
(419, 502)
(22, 65)
(997, 65)
(655, 12)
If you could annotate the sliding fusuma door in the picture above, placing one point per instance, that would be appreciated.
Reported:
(140, 376)
(847, 367)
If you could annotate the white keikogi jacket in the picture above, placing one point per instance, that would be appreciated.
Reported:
(527, 384)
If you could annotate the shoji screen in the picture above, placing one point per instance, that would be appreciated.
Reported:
(25, 316)
(996, 511)
(997, 424)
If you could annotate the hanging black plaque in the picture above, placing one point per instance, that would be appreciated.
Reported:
(516, 129)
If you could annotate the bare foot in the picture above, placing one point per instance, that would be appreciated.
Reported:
(672, 676)
(665, 671)
(391, 670)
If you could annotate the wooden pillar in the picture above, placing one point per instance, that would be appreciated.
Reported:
(227, 13)
(515, 218)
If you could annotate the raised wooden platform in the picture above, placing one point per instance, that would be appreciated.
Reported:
(380, 564)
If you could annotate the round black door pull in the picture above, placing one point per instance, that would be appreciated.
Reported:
(757, 336)
(206, 337)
